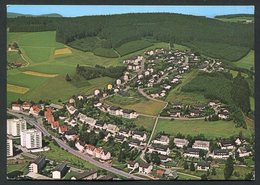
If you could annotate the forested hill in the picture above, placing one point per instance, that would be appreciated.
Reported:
(14, 15)
(115, 30)
(230, 16)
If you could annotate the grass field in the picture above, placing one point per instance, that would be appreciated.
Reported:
(176, 95)
(17, 89)
(247, 62)
(57, 154)
(33, 73)
(105, 52)
(223, 129)
(146, 122)
(252, 103)
(17, 167)
(133, 46)
(136, 102)
(62, 51)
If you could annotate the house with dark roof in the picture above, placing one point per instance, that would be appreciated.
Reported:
(134, 143)
(192, 152)
(38, 164)
(115, 110)
(226, 144)
(60, 171)
(129, 114)
(220, 154)
(243, 152)
(86, 175)
(120, 138)
(145, 168)
(141, 136)
(203, 166)
(125, 132)
(132, 165)
(160, 149)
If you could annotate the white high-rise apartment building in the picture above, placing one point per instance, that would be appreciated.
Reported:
(16, 126)
(9, 148)
(31, 139)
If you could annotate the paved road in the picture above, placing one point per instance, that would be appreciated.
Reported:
(141, 91)
(63, 145)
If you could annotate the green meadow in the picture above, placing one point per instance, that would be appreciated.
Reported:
(214, 129)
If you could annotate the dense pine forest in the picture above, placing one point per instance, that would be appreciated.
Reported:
(208, 35)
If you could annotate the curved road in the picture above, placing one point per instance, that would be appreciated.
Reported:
(32, 121)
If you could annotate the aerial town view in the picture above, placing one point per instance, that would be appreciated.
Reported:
(130, 92)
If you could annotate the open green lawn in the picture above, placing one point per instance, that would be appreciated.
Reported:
(182, 176)
(133, 46)
(234, 74)
(70, 174)
(57, 154)
(17, 167)
(213, 129)
(246, 62)
(146, 122)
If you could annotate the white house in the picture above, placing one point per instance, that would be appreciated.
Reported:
(31, 139)
(114, 110)
(180, 142)
(204, 145)
(226, 144)
(60, 171)
(141, 136)
(192, 152)
(220, 154)
(161, 149)
(243, 152)
(129, 114)
(16, 126)
(9, 147)
(202, 166)
(112, 128)
(132, 165)
(16, 107)
(79, 146)
(37, 165)
(145, 168)
(163, 140)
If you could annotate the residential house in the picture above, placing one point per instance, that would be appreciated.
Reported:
(132, 165)
(26, 106)
(90, 150)
(35, 109)
(163, 140)
(243, 152)
(129, 114)
(180, 143)
(55, 125)
(226, 144)
(223, 115)
(204, 145)
(60, 171)
(112, 128)
(124, 132)
(114, 110)
(63, 129)
(141, 136)
(135, 143)
(145, 168)
(203, 166)
(239, 140)
(220, 154)
(86, 175)
(100, 125)
(105, 156)
(120, 138)
(192, 152)
(37, 165)
(70, 135)
(16, 107)
(164, 158)
(71, 109)
(80, 146)
(160, 149)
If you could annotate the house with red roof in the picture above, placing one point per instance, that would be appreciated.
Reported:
(35, 109)
(63, 129)
(55, 125)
